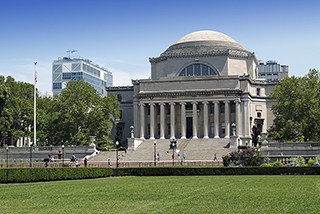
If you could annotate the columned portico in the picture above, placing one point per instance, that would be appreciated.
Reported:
(216, 119)
(162, 121)
(195, 120)
(142, 120)
(152, 121)
(205, 119)
(227, 118)
(172, 120)
(238, 117)
(183, 120)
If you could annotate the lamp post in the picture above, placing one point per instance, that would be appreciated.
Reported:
(117, 157)
(62, 155)
(7, 156)
(155, 153)
(31, 154)
(173, 145)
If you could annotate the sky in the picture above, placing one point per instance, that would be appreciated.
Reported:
(121, 35)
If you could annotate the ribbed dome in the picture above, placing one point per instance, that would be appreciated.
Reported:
(203, 42)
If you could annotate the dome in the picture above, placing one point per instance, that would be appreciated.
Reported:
(204, 42)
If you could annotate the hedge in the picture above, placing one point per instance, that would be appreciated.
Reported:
(184, 171)
(20, 175)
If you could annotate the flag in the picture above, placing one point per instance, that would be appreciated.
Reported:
(35, 76)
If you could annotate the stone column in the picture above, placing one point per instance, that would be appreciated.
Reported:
(205, 120)
(151, 121)
(172, 119)
(183, 120)
(194, 120)
(142, 121)
(216, 119)
(246, 120)
(162, 120)
(227, 118)
(238, 118)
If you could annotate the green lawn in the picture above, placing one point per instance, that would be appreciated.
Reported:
(185, 194)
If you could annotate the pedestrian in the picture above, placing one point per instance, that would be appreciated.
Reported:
(158, 157)
(85, 162)
(184, 156)
(215, 157)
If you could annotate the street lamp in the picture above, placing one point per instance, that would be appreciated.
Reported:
(154, 153)
(62, 155)
(31, 154)
(117, 157)
(7, 156)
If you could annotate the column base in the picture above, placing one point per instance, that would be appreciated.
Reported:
(151, 138)
(216, 137)
(162, 138)
(142, 138)
(183, 138)
(227, 137)
(195, 137)
(205, 137)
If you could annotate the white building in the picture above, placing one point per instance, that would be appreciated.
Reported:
(272, 70)
(205, 85)
(66, 69)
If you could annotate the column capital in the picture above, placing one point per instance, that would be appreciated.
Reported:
(205, 102)
(226, 101)
(151, 104)
(194, 102)
(182, 103)
(162, 103)
(215, 101)
(237, 100)
(172, 103)
(141, 104)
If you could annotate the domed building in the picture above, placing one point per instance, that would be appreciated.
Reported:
(204, 86)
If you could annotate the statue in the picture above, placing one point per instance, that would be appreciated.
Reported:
(255, 136)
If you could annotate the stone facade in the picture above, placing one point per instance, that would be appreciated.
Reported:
(203, 86)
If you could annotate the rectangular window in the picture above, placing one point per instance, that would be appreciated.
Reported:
(119, 97)
(66, 76)
(57, 85)
(258, 91)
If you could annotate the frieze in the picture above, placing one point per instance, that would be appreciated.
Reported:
(175, 94)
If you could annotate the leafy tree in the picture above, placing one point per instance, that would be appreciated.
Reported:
(297, 108)
(79, 112)
(16, 116)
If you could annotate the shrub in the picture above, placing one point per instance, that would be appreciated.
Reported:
(277, 164)
(297, 161)
(226, 160)
(246, 157)
(311, 162)
(20, 175)
(266, 165)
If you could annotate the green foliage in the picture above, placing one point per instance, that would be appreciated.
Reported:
(16, 110)
(297, 108)
(184, 171)
(246, 157)
(20, 175)
(277, 164)
(266, 165)
(226, 160)
(297, 161)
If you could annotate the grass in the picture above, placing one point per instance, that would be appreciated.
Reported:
(174, 194)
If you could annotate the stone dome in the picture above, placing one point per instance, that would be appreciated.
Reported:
(204, 42)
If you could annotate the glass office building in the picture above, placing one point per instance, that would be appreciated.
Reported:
(66, 69)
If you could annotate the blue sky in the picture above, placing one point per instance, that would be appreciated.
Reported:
(121, 35)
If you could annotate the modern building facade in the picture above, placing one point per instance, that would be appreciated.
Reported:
(272, 70)
(66, 69)
(203, 86)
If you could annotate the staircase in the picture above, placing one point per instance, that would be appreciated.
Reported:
(195, 150)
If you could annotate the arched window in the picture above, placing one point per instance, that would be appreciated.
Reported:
(197, 69)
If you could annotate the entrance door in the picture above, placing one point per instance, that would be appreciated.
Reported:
(189, 127)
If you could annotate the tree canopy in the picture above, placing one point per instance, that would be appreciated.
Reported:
(69, 118)
(297, 108)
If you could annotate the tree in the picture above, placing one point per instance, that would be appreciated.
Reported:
(297, 108)
(16, 115)
(79, 112)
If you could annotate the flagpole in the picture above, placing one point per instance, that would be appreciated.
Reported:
(34, 107)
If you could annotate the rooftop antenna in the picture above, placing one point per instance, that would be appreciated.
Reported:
(71, 51)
